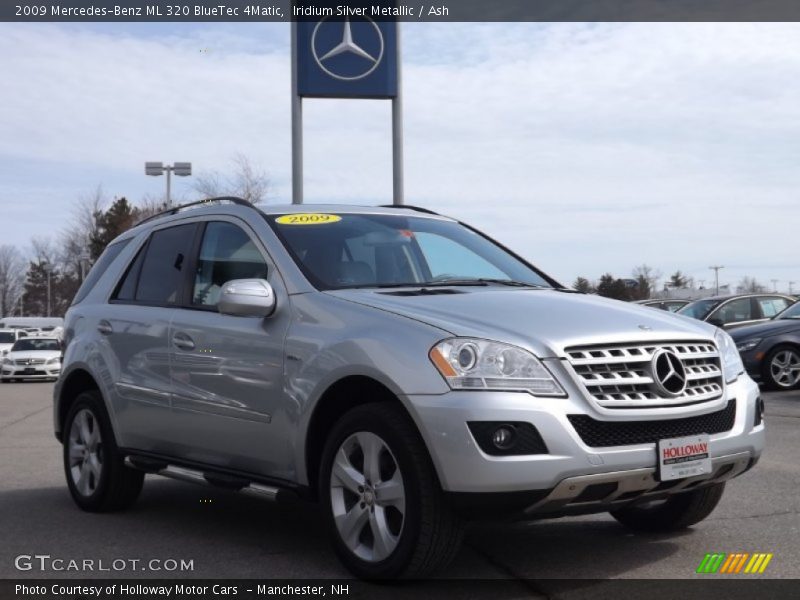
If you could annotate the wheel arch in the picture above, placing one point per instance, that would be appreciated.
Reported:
(78, 381)
(339, 397)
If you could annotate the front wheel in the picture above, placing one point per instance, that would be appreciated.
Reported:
(96, 474)
(782, 368)
(676, 512)
(387, 514)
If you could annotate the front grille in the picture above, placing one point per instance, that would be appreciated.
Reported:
(621, 376)
(24, 362)
(598, 434)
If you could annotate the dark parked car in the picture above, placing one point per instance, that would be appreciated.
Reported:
(729, 312)
(771, 351)
(668, 305)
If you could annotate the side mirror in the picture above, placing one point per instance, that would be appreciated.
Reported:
(246, 298)
(717, 322)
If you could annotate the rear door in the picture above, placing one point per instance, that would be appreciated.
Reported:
(228, 406)
(136, 328)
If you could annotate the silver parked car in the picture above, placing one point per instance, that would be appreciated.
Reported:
(398, 366)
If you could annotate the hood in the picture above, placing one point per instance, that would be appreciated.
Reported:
(766, 329)
(23, 354)
(545, 321)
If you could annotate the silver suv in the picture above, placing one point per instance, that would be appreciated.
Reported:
(398, 366)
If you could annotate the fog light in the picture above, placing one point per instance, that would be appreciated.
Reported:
(503, 437)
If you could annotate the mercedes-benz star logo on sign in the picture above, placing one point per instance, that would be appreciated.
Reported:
(669, 374)
(356, 51)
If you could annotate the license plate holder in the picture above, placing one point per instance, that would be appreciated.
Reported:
(679, 458)
(29, 371)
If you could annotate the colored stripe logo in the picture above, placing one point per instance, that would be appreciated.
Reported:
(735, 563)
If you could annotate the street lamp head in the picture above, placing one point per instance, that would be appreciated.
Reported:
(182, 169)
(154, 168)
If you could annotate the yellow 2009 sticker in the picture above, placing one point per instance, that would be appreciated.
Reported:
(307, 219)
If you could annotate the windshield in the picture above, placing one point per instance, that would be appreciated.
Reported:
(699, 309)
(7, 337)
(793, 312)
(36, 344)
(372, 250)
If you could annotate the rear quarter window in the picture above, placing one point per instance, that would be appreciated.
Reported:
(104, 262)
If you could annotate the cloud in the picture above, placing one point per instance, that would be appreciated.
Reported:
(586, 147)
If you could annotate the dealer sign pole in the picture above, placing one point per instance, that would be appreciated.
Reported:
(345, 57)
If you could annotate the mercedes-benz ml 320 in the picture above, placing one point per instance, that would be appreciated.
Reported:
(398, 366)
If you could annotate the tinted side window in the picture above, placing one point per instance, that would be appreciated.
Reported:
(772, 306)
(106, 258)
(126, 289)
(226, 253)
(161, 277)
(735, 311)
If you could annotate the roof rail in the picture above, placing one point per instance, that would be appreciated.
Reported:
(411, 207)
(177, 209)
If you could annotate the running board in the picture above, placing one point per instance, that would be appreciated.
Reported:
(217, 480)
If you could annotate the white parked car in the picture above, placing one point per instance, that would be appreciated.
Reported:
(8, 338)
(32, 358)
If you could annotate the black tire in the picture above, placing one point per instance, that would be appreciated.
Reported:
(117, 486)
(431, 533)
(677, 512)
(767, 375)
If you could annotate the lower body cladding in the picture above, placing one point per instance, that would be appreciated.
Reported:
(575, 460)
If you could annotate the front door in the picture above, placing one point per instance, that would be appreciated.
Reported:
(227, 372)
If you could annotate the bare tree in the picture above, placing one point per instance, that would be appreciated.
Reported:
(12, 278)
(246, 181)
(749, 285)
(74, 240)
(646, 281)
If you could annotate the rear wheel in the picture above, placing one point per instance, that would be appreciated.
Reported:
(782, 368)
(676, 512)
(386, 511)
(96, 474)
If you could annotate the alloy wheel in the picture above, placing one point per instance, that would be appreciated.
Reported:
(85, 452)
(785, 368)
(367, 496)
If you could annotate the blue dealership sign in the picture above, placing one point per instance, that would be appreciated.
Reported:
(354, 57)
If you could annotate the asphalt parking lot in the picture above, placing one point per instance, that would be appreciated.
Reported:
(233, 536)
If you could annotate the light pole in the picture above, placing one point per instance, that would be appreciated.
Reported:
(774, 285)
(156, 169)
(49, 270)
(84, 258)
(791, 285)
(716, 269)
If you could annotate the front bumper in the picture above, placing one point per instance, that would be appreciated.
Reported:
(463, 467)
(37, 372)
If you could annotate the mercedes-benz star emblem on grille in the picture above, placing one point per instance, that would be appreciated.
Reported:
(669, 374)
(369, 60)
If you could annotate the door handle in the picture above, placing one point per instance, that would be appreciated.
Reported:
(183, 341)
(105, 327)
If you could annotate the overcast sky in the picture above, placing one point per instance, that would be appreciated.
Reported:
(586, 148)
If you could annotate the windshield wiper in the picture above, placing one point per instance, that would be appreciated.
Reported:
(483, 281)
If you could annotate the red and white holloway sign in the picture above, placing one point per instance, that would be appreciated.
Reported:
(683, 457)
(674, 454)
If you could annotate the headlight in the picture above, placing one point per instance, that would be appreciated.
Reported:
(54, 361)
(748, 345)
(472, 364)
(732, 365)
(8, 361)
